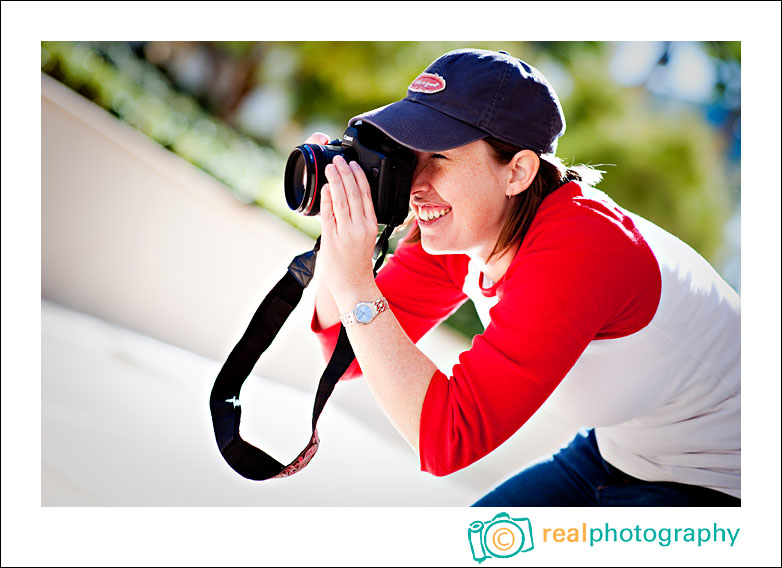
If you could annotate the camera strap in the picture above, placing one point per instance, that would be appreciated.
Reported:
(247, 460)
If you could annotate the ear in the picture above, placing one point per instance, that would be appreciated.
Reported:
(523, 169)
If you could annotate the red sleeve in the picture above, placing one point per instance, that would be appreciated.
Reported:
(581, 273)
(422, 290)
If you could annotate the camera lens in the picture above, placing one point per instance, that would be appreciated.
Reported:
(301, 173)
(305, 175)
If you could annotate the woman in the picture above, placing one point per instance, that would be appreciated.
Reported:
(596, 312)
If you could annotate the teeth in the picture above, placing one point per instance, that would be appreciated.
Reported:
(428, 214)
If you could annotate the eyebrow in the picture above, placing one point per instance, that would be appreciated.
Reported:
(438, 153)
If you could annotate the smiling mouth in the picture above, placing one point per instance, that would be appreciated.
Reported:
(429, 215)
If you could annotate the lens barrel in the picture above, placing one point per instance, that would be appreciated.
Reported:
(305, 175)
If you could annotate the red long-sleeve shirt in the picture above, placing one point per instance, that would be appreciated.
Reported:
(584, 277)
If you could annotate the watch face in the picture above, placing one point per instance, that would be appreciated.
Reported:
(363, 313)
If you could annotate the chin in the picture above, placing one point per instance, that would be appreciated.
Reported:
(431, 247)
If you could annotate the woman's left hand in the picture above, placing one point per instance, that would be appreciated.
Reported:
(349, 229)
(398, 373)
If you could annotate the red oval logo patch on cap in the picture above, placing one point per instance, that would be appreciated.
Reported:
(428, 83)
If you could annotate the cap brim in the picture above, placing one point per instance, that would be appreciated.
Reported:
(420, 127)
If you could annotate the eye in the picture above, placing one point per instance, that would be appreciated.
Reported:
(423, 159)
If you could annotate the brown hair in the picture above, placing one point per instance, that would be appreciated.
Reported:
(552, 174)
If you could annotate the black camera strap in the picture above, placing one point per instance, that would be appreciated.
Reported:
(249, 461)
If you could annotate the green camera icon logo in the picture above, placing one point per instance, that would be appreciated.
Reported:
(502, 537)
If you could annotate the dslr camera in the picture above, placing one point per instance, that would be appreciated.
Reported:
(387, 164)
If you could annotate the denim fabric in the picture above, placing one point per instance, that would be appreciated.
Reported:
(578, 476)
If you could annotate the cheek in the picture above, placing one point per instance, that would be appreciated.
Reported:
(484, 211)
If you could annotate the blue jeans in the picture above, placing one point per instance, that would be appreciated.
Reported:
(578, 476)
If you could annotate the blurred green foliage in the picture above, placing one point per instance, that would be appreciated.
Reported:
(113, 76)
(662, 159)
(668, 167)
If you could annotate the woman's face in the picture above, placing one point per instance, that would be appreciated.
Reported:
(458, 197)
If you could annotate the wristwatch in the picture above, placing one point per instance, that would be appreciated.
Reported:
(364, 312)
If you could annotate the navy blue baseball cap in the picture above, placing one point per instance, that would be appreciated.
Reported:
(469, 94)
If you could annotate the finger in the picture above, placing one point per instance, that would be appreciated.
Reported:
(339, 200)
(317, 138)
(350, 184)
(326, 210)
(366, 193)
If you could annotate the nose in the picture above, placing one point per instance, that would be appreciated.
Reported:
(418, 189)
(420, 181)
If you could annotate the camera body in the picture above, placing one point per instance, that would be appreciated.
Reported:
(387, 164)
